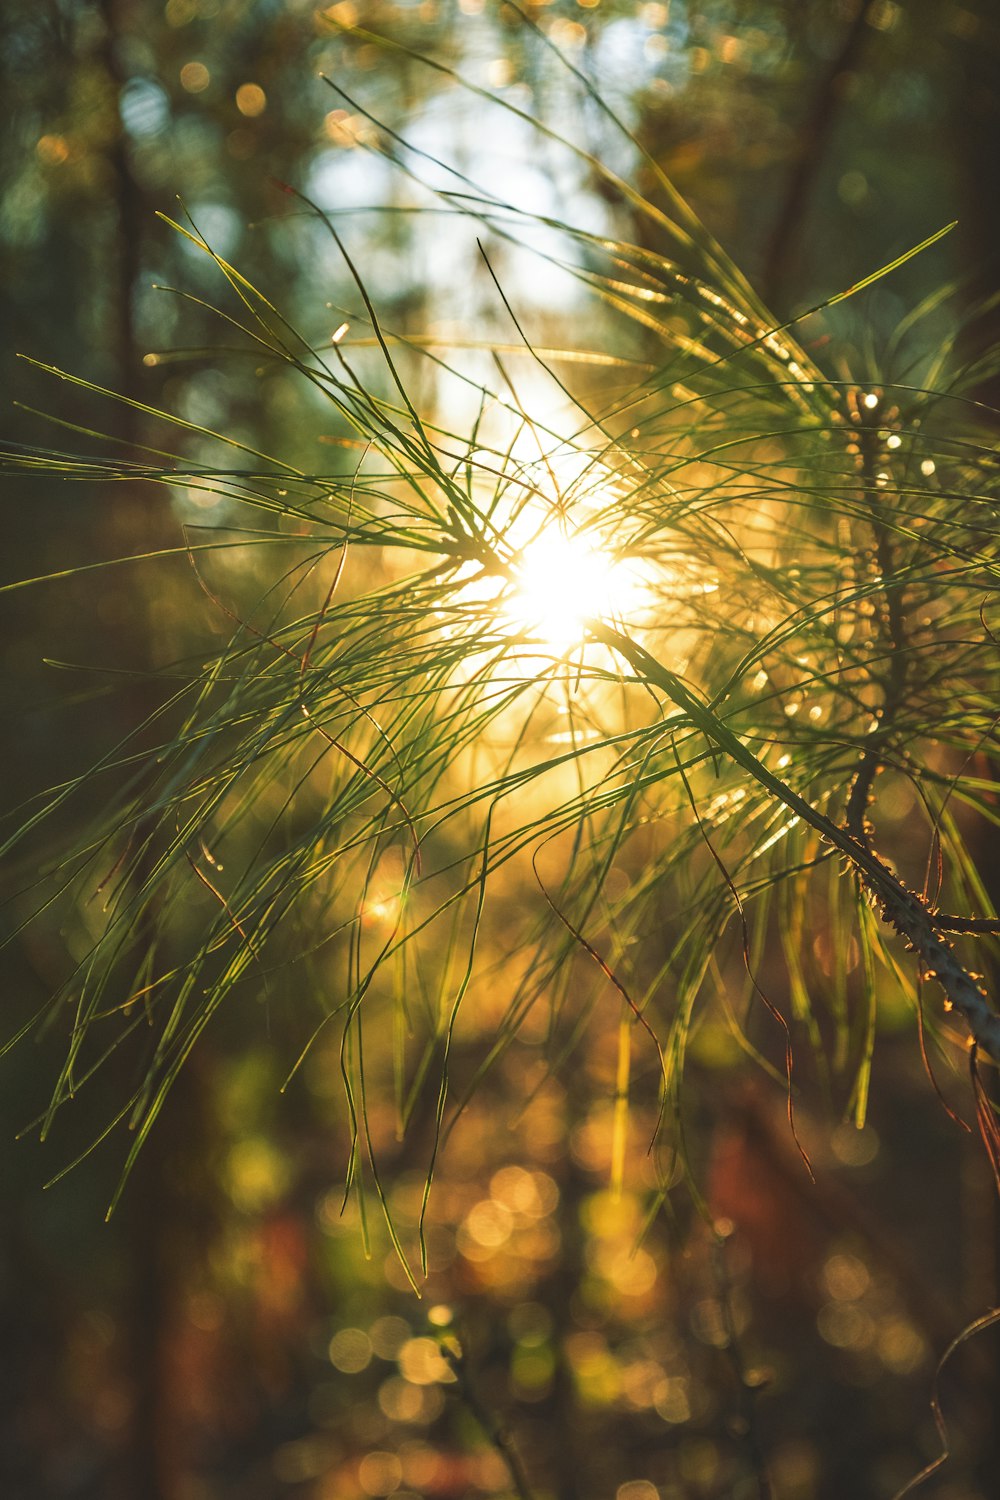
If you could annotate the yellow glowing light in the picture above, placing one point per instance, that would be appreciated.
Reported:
(563, 581)
(195, 77)
(251, 100)
(380, 910)
(52, 149)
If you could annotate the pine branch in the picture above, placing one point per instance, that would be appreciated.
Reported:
(901, 908)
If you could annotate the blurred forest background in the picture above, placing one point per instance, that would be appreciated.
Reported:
(226, 1335)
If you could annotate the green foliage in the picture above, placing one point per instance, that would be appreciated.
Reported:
(413, 777)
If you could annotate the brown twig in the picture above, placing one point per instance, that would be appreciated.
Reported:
(747, 1398)
(491, 1426)
(866, 412)
(946, 922)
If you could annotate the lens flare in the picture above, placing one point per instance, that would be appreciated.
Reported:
(563, 581)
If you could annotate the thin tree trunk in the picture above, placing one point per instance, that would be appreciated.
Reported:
(813, 138)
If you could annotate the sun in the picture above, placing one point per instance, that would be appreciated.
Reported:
(562, 580)
(560, 559)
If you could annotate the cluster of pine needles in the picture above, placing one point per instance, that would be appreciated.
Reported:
(395, 787)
